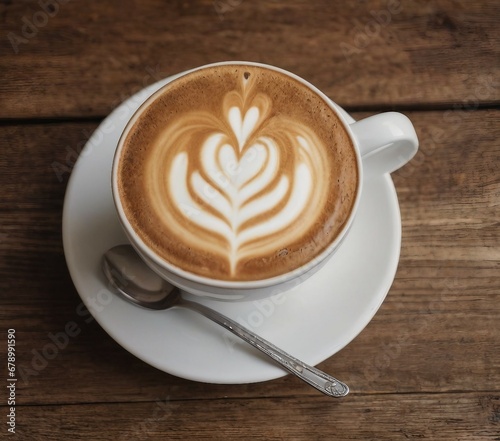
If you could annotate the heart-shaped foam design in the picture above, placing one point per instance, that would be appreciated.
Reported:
(235, 188)
(243, 127)
(240, 193)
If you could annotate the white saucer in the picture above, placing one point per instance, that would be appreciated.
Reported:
(313, 321)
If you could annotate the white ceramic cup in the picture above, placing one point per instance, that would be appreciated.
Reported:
(383, 143)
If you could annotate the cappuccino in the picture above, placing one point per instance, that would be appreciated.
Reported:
(237, 172)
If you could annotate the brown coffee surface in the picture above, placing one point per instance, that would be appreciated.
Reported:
(237, 172)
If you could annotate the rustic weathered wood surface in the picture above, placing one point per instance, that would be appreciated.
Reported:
(428, 364)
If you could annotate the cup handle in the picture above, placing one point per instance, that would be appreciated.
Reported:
(386, 141)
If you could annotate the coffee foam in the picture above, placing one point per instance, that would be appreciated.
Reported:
(237, 173)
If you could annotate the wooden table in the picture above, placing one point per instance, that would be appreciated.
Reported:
(428, 364)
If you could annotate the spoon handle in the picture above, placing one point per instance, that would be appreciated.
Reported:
(318, 379)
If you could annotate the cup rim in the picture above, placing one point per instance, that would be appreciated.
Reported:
(162, 263)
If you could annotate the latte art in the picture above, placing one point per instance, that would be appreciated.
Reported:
(239, 188)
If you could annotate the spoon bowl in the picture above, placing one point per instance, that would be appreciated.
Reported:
(132, 280)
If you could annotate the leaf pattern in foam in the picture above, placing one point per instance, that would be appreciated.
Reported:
(236, 186)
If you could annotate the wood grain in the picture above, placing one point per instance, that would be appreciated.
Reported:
(447, 417)
(83, 61)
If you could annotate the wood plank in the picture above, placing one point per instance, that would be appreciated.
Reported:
(438, 329)
(447, 417)
(82, 61)
(450, 193)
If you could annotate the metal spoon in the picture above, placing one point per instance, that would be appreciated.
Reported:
(135, 282)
